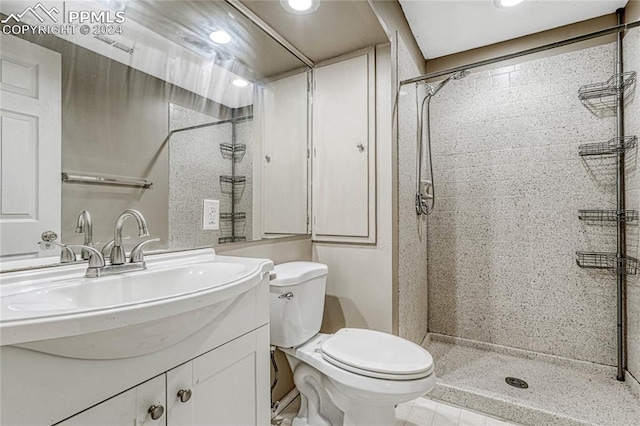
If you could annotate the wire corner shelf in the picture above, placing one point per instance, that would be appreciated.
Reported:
(614, 146)
(598, 96)
(597, 260)
(235, 239)
(595, 215)
(233, 185)
(233, 152)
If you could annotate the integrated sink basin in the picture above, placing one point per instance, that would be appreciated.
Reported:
(59, 311)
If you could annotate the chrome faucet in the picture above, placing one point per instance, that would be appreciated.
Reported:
(85, 226)
(118, 256)
(66, 254)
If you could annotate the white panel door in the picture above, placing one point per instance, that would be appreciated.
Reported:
(285, 169)
(344, 150)
(30, 154)
(229, 385)
(130, 408)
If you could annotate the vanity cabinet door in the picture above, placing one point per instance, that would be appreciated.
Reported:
(343, 191)
(227, 386)
(130, 408)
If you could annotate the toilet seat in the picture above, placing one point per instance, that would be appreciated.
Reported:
(378, 355)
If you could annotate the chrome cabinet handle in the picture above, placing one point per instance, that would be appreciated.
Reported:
(287, 296)
(184, 395)
(360, 147)
(156, 412)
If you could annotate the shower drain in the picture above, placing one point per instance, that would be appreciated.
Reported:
(516, 383)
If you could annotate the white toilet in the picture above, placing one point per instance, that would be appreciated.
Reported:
(354, 377)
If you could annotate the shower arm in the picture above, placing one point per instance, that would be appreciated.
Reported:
(421, 201)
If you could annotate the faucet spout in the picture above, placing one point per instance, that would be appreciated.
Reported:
(85, 226)
(118, 256)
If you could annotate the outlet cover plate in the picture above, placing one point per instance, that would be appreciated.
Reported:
(211, 215)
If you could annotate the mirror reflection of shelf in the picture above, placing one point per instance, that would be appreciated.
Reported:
(602, 97)
(611, 147)
(608, 215)
(598, 260)
(232, 216)
(233, 185)
(233, 223)
(233, 151)
(236, 239)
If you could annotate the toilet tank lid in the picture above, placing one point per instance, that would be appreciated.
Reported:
(297, 272)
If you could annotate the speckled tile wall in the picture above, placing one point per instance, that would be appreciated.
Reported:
(631, 52)
(412, 232)
(195, 166)
(509, 183)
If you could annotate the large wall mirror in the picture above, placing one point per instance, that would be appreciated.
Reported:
(184, 110)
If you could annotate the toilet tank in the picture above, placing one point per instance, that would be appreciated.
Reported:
(297, 302)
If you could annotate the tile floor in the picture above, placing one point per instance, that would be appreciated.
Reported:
(420, 412)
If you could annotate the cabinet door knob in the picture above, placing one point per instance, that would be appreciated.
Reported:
(156, 411)
(360, 147)
(184, 395)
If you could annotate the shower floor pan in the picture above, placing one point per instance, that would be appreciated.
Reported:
(561, 391)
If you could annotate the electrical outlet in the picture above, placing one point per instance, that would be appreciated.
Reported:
(211, 215)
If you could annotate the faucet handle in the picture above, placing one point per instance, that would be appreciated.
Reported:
(95, 258)
(106, 249)
(66, 255)
(137, 256)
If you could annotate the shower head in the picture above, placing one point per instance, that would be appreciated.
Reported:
(455, 76)
(461, 74)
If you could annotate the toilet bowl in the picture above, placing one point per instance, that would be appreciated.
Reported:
(352, 377)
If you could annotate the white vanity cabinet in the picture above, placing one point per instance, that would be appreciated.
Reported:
(344, 196)
(222, 387)
(126, 409)
(220, 355)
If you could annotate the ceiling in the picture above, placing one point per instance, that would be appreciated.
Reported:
(251, 52)
(337, 27)
(445, 27)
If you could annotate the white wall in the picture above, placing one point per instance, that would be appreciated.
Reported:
(359, 290)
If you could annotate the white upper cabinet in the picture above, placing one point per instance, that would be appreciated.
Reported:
(285, 179)
(344, 150)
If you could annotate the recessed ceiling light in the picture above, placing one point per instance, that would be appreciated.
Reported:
(239, 82)
(507, 3)
(300, 7)
(220, 37)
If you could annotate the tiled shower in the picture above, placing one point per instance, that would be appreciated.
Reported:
(501, 244)
(510, 182)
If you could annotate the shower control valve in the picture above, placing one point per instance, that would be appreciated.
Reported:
(425, 189)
